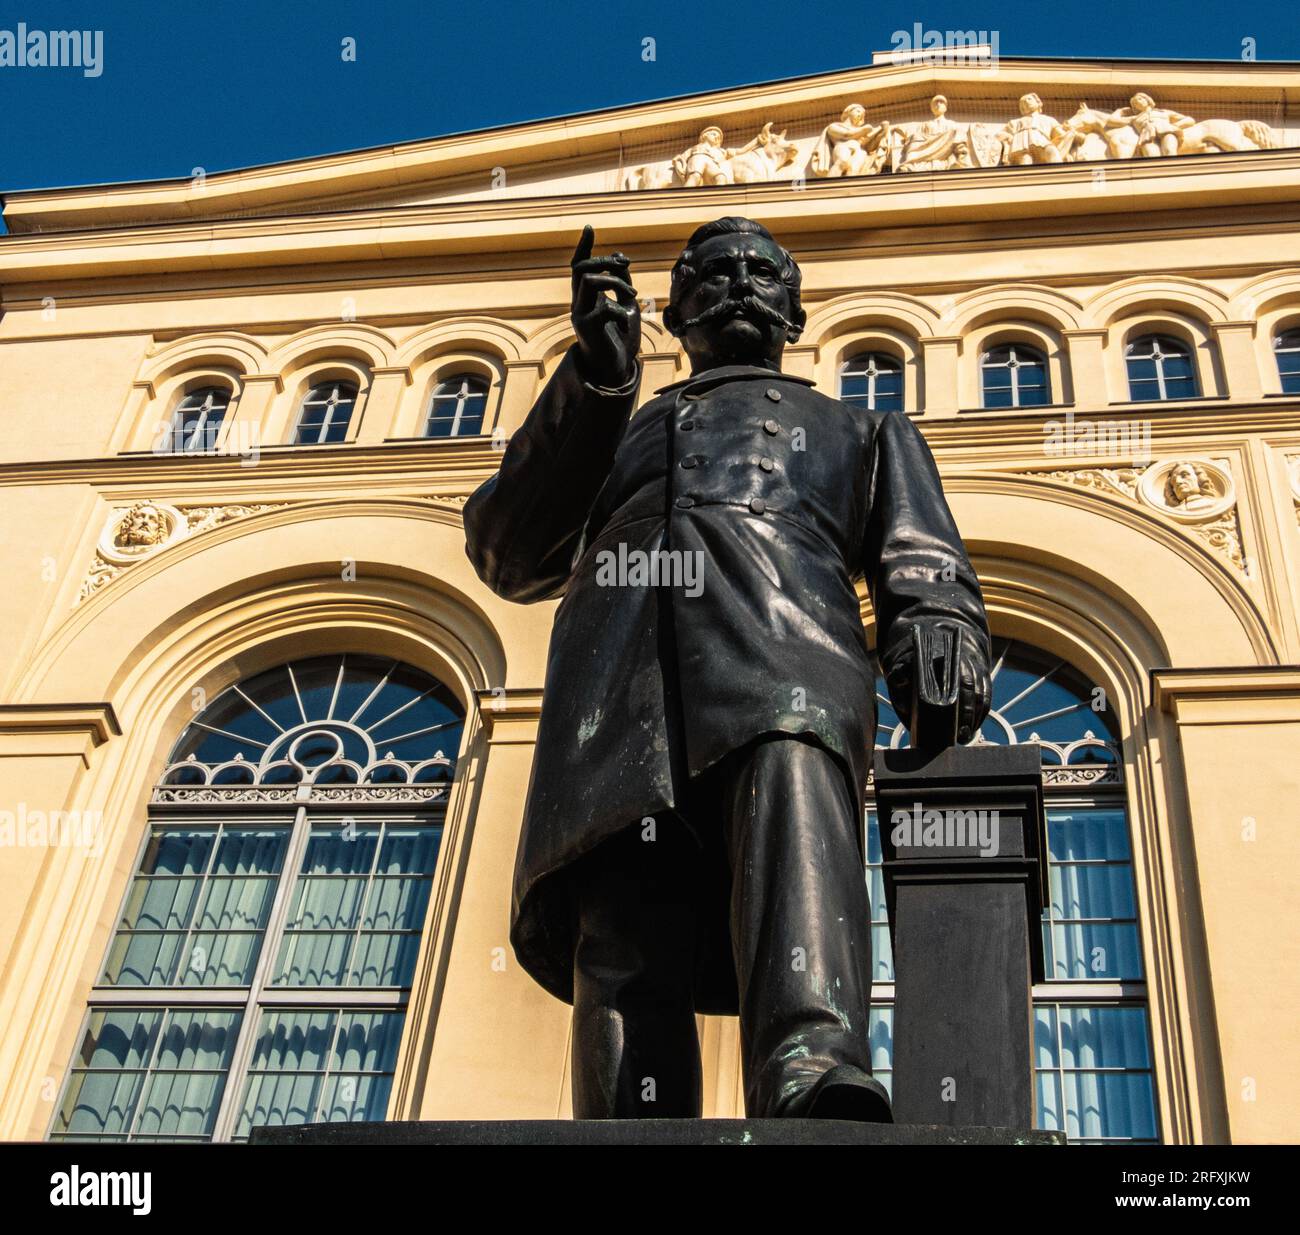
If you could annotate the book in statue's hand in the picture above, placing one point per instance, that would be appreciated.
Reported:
(935, 686)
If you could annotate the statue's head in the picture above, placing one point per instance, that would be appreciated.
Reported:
(735, 296)
(1141, 101)
(855, 114)
(938, 105)
(1030, 103)
(712, 136)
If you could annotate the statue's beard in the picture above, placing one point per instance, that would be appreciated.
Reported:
(748, 306)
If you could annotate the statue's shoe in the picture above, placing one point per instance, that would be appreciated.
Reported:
(845, 1092)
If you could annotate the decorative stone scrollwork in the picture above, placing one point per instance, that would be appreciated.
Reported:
(289, 778)
(136, 532)
(1293, 475)
(1197, 493)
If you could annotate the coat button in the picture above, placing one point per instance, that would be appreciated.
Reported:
(770, 426)
(687, 425)
(757, 505)
(690, 461)
(766, 464)
(685, 503)
(774, 394)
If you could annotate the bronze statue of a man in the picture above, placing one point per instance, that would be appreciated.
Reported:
(693, 839)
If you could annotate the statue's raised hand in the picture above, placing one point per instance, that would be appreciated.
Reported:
(608, 330)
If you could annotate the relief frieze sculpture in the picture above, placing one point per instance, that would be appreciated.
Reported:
(858, 144)
(1197, 494)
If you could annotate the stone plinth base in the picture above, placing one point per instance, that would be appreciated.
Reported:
(645, 1132)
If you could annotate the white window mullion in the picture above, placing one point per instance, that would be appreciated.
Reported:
(229, 1110)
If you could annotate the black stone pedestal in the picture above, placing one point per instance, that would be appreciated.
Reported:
(643, 1132)
(962, 836)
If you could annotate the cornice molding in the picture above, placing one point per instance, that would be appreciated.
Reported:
(56, 729)
(1239, 694)
(971, 439)
(521, 224)
(583, 135)
(510, 715)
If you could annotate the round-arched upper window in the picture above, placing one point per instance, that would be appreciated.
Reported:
(345, 720)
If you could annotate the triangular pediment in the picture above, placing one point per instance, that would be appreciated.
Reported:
(769, 132)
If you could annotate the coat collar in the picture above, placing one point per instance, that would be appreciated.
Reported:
(734, 373)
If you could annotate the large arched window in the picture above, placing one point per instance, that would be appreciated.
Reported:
(873, 380)
(457, 406)
(196, 422)
(325, 414)
(262, 958)
(1014, 375)
(1159, 368)
(1286, 347)
(1091, 1037)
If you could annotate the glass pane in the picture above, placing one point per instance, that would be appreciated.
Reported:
(1108, 1105)
(278, 1101)
(313, 959)
(853, 385)
(1103, 1037)
(396, 904)
(1094, 952)
(1050, 1113)
(220, 959)
(384, 958)
(367, 1042)
(1091, 891)
(293, 1041)
(98, 1106)
(349, 1099)
(160, 904)
(881, 1037)
(146, 958)
(1087, 834)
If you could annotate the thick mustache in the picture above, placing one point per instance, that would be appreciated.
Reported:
(748, 305)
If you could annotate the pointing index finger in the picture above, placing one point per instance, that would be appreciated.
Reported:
(586, 242)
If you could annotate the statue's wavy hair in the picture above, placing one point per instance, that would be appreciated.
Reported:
(684, 268)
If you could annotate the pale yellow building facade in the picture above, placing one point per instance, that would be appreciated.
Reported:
(1132, 513)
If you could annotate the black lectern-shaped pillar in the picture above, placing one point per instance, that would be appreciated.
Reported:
(963, 840)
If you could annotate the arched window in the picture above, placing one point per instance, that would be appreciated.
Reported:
(457, 406)
(263, 955)
(1092, 1053)
(873, 380)
(1286, 346)
(196, 422)
(1015, 375)
(1160, 367)
(325, 413)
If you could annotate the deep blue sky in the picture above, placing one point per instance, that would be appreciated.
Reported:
(220, 84)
